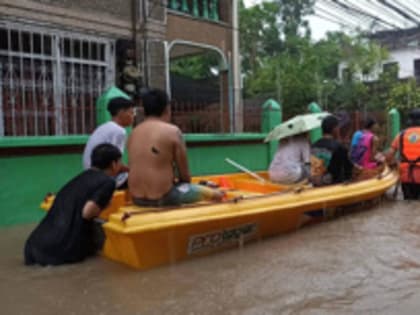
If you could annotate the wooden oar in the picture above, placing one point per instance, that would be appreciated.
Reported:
(244, 169)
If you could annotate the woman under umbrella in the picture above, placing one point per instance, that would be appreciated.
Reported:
(291, 163)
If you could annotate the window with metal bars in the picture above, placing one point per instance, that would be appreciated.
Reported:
(208, 9)
(417, 69)
(391, 68)
(50, 80)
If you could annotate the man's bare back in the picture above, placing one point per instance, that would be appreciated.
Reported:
(153, 148)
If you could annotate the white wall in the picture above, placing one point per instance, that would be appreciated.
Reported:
(405, 58)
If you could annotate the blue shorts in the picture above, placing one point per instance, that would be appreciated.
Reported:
(179, 194)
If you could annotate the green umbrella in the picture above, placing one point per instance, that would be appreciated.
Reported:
(296, 125)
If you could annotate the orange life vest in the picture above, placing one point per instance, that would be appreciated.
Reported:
(410, 154)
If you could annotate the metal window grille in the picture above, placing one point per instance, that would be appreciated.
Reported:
(156, 66)
(198, 105)
(50, 80)
(417, 68)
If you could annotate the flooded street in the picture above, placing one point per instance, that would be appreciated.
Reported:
(364, 263)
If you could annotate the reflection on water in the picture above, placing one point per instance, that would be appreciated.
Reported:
(366, 263)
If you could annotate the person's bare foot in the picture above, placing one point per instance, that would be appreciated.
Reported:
(219, 195)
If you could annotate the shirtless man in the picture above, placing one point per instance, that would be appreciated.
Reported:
(156, 149)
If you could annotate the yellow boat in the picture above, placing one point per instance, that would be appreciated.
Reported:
(148, 237)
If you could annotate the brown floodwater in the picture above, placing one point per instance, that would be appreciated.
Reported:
(364, 263)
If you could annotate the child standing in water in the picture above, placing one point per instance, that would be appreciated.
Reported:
(66, 234)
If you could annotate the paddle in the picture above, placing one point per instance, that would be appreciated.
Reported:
(244, 169)
(397, 185)
(395, 193)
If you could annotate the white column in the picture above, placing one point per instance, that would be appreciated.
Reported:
(236, 69)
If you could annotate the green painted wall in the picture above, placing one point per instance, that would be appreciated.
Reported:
(24, 181)
(211, 160)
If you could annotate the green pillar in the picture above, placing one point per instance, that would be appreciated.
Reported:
(184, 7)
(394, 124)
(315, 134)
(214, 10)
(174, 4)
(205, 4)
(271, 117)
(195, 10)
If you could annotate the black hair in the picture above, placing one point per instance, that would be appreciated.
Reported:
(370, 122)
(328, 124)
(119, 103)
(154, 102)
(104, 154)
(414, 117)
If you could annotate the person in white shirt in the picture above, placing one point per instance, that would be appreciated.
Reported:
(291, 161)
(113, 132)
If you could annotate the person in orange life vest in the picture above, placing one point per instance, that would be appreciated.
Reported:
(408, 144)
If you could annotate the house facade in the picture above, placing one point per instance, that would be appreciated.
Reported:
(58, 56)
(404, 52)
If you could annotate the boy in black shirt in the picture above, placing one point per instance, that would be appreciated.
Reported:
(330, 162)
(65, 235)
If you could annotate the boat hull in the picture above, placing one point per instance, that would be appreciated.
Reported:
(145, 238)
